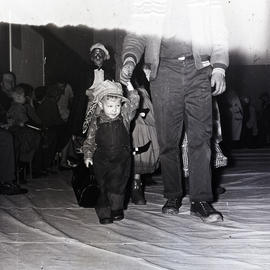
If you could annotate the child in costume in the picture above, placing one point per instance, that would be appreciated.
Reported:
(144, 137)
(107, 146)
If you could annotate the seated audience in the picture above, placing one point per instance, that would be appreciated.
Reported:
(24, 125)
(8, 185)
(7, 83)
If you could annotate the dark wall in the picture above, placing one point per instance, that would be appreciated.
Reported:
(61, 61)
(4, 47)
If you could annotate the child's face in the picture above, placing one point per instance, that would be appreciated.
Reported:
(19, 98)
(111, 107)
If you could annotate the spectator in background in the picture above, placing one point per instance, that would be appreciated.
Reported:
(97, 72)
(47, 110)
(65, 99)
(22, 108)
(17, 112)
(8, 185)
(23, 122)
(236, 111)
(7, 83)
(265, 119)
(64, 102)
(249, 128)
(29, 93)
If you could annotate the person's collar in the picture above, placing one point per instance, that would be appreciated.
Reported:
(96, 67)
(99, 68)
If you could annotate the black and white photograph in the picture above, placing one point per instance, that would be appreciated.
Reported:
(135, 134)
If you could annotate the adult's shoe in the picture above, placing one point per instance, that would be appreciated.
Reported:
(117, 215)
(11, 189)
(172, 206)
(205, 211)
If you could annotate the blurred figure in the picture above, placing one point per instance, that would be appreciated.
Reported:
(265, 119)
(47, 110)
(249, 128)
(7, 83)
(23, 124)
(64, 98)
(144, 137)
(8, 185)
(218, 158)
(236, 111)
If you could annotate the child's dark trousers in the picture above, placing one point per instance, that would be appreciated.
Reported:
(111, 166)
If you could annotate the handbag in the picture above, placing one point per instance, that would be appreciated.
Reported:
(85, 186)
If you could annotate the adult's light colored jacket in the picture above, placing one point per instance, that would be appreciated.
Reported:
(209, 36)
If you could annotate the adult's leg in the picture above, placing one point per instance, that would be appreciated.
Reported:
(168, 102)
(199, 132)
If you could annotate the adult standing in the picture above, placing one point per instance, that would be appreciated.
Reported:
(237, 114)
(249, 128)
(186, 61)
(97, 72)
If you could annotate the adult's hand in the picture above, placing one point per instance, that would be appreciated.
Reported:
(218, 81)
(126, 72)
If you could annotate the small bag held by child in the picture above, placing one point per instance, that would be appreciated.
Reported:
(85, 186)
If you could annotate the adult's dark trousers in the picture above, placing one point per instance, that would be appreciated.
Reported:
(7, 157)
(181, 94)
(112, 170)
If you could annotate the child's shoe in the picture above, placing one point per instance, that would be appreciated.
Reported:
(105, 221)
(117, 215)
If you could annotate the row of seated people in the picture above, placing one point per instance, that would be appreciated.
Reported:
(37, 121)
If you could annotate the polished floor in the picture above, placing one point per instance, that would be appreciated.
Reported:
(46, 229)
